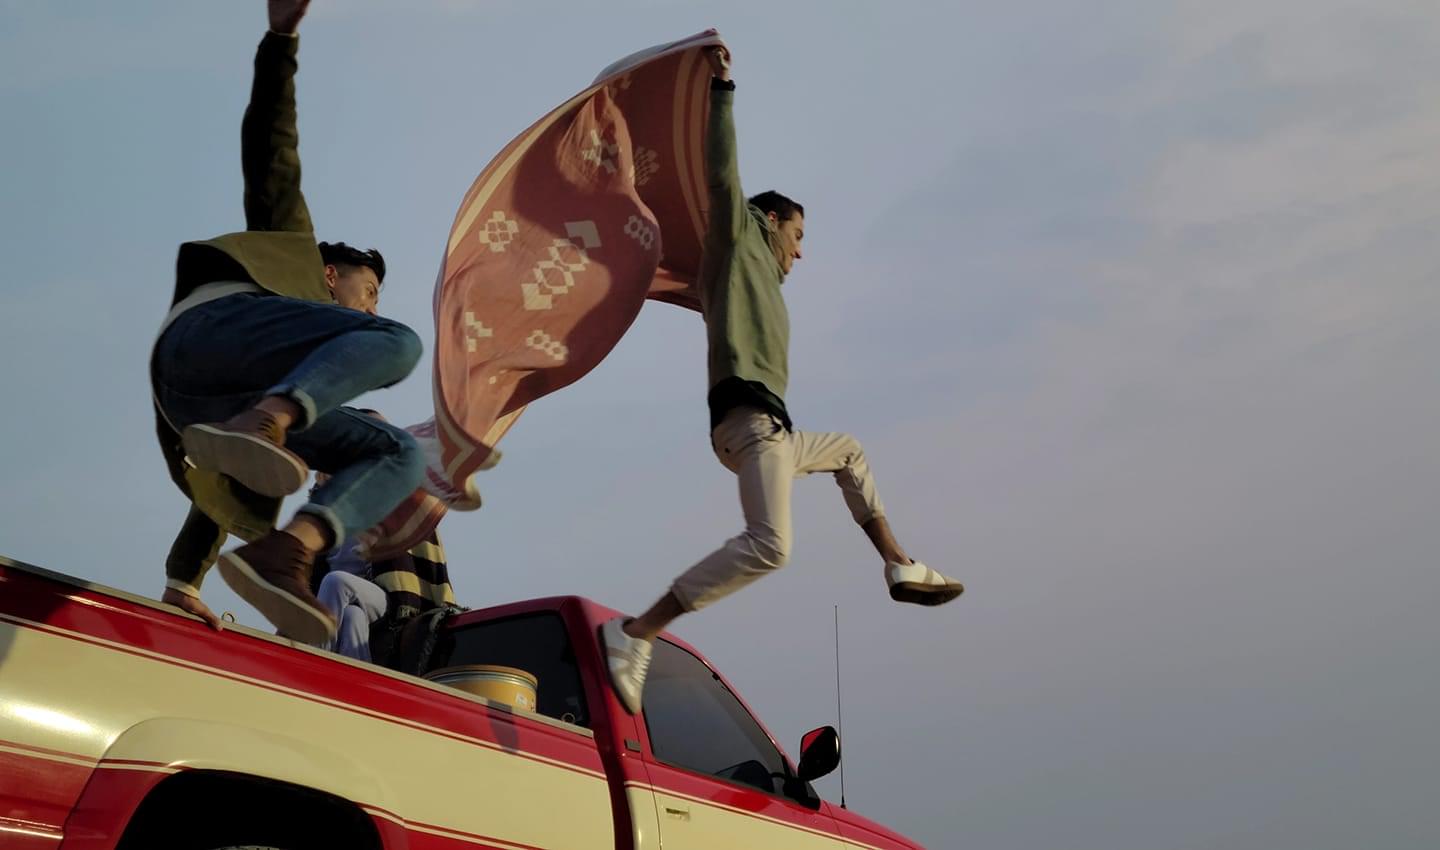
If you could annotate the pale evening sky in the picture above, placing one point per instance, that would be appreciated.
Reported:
(1133, 304)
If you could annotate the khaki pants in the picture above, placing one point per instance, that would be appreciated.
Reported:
(767, 459)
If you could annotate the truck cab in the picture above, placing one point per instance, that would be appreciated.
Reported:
(126, 724)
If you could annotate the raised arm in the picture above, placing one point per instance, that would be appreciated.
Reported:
(269, 141)
(722, 168)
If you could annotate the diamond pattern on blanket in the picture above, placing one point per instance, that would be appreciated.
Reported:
(475, 331)
(583, 231)
(548, 345)
(640, 230)
(498, 232)
(601, 152)
(555, 275)
(647, 165)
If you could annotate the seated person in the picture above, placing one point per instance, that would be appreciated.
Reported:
(363, 595)
(355, 602)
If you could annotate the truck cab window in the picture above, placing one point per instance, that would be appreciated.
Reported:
(536, 643)
(695, 722)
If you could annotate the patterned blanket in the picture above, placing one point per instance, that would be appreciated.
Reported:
(595, 208)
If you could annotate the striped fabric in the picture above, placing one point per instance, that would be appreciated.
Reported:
(415, 581)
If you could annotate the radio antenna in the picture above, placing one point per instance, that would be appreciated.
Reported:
(839, 718)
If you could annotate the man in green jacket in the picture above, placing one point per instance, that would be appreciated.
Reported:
(251, 368)
(749, 249)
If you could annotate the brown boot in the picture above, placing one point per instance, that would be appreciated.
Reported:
(250, 448)
(273, 574)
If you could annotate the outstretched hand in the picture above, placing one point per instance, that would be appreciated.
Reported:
(189, 604)
(285, 15)
(719, 62)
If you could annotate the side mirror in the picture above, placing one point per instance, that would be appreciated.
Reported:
(819, 753)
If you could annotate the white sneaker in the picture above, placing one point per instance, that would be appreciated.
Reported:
(629, 660)
(917, 583)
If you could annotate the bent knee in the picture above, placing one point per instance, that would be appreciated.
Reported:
(395, 347)
(769, 550)
(408, 346)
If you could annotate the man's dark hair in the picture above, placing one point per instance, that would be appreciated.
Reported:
(777, 203)
(340, 254)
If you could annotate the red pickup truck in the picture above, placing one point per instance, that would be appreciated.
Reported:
(126, 724)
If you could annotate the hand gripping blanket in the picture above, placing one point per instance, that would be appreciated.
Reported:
(556, 246)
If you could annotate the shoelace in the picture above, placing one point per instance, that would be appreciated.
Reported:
(262, 423)
(269, 428)
(291, 554)
(641, 661)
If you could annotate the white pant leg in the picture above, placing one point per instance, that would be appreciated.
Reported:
(754, 446)
(841, 454)
(356, 603)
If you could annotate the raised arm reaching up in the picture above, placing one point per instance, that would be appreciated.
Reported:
(269, 141)
(722, 168)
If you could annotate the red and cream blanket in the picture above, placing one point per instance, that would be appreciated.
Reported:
(595, 208)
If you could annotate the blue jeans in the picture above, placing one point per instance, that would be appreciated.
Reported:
(357, 604)
(220, 358)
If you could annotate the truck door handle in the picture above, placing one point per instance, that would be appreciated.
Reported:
(677, 814)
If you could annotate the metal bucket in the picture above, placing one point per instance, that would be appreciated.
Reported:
(509, 685)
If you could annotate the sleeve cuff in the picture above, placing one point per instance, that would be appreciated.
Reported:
(280, 42)
(717, 84)
(183, 586)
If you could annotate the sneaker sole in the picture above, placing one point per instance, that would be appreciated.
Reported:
(610, 674)
(924, 594)
(261, 466)
(290, 614)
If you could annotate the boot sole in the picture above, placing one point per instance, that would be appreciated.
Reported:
(924, 594)
(294, 617)
(261, 466)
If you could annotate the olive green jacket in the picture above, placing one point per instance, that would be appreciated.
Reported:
(277, 251)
